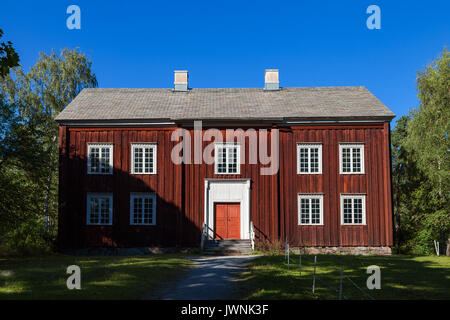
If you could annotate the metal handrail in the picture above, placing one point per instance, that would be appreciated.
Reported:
(252, 235)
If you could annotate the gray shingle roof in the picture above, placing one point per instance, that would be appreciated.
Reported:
(230, 103)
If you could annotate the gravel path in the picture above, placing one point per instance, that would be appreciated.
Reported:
(211, 278)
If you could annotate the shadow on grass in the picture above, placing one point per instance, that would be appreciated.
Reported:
(268, 277)
(106, 277)
(402, 277)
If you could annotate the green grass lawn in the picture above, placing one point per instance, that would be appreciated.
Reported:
(102, 277)
(402, 277)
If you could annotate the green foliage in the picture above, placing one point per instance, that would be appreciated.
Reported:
(8, 57)
(28, 238)
(29, 145)
(421, 164)
(423, 243)
(428, 130)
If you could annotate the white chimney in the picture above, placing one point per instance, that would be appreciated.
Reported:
(271, 80)
(181, 80)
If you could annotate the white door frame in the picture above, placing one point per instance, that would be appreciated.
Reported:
(227, 190)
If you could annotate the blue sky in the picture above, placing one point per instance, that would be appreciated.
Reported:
(230, 43)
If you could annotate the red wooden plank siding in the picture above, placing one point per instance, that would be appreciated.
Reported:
(180, 189)
(374, 183)
(64, 232)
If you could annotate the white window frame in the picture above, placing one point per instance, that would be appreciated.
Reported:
(142, 195)
(144, 145)
(110, 146)
(353, 196)
(309, 146)
(91, 195)
(216, 157)
(299, 208)
(341, 160)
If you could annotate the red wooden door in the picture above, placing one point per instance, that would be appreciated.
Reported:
(227, 220)
(221, 221)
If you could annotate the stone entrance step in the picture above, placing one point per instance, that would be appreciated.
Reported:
(231, 245)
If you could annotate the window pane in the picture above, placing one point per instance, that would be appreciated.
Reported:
(232, 160)
(94, 211)
(357, 211)
(303, 159)
(314, 159)
(138, 160)
(347, 210)
(149, 160)
(94, 157)
(315, 211)
(221, 160)
(148, 211)
(346, 160)
(137, 210)
(104, 161)
(304, 213)
(356, 159)
(104, 210)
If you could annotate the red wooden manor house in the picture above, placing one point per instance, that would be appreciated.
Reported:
(329, 148)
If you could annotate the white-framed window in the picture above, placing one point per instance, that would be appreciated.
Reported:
(100, 158)
(227, 158)
(143, 158)
(353, 209)
(309, 158)
(310, 209)
(99, 209)
(351, 158)
(143, 209)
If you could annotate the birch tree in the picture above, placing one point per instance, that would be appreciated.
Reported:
(36, 98)
(428, 142)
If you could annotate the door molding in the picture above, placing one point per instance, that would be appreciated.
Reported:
(227, 190)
